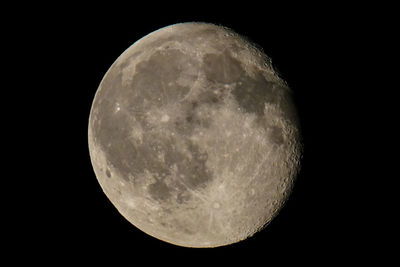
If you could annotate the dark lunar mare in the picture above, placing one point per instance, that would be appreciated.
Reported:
(250, 93)
(148, 88)
(161, 117)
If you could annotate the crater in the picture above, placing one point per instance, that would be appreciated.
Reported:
(108, 173)
(112, 130)
(184, 166)
(183, 197)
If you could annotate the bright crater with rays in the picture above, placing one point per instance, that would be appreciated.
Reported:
(193, 137)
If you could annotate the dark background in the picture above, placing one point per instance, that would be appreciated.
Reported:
(316, 50)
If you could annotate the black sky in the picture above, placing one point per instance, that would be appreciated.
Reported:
(69, 50)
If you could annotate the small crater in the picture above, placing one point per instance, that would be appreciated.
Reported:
(108, 173)
(182, 197)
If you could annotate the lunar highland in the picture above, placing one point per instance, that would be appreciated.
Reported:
(193, 136)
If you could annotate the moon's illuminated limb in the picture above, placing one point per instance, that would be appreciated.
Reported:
(193, 137)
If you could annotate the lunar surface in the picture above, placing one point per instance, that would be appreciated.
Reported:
(193, 136)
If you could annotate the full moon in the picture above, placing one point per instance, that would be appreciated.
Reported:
(194, 137)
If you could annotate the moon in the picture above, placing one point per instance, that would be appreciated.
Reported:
(194, 137)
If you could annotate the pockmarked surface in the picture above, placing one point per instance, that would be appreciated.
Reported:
(193, 137)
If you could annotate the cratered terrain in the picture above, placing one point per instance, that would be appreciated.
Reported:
(194, 137)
